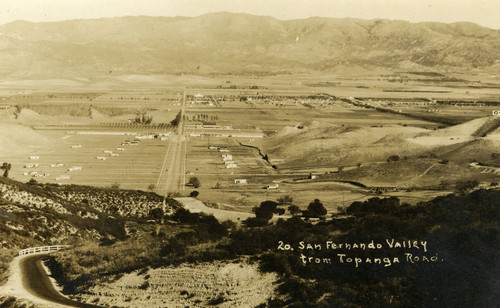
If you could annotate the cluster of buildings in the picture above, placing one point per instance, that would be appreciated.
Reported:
(227, 159)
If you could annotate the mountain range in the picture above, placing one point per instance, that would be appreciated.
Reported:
(239, 44)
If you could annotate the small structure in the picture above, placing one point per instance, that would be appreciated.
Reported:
(114, 155)
(240, 181)
(226, 157)
(34, 157)
(101, 158)
(75, 168)
(275, 186)
(108, 152)
(120, 149)
(76, 146)
(233, 165)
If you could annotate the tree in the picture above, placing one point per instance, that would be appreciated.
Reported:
(286, 199)
(266, 210)
(175, 122)
(393, 158)
(151, 187)
(294, 210)
(6, 168)
(316, 209)
(193, 181)
(157, 214)
(194, 194)
(115, 186)
(466, 186)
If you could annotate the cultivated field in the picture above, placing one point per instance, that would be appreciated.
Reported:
(251, 139)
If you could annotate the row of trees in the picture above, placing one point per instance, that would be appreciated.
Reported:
(265, 211)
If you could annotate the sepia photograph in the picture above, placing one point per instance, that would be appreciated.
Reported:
(238, 153)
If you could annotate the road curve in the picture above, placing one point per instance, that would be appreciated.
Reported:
(36, 281)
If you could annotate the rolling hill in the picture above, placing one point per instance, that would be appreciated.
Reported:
(238, 43)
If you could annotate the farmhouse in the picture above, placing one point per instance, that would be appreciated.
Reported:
(240, 181)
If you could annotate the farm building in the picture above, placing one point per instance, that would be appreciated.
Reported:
(240, 181)
(76, 146)
(275, 186)
(226, 157)
(113, 155)
(120, 149)
(34, 157)
(108, 152)
(31, 165)
(145, 137)
(101, 158)
(62, 177)
(57, 165)
(75, 168)
(233, 165)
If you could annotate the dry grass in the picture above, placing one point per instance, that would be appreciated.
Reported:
(6, 256)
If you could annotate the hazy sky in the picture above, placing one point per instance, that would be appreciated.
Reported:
(483, 12)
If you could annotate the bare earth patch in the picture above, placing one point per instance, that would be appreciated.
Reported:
(220, 284)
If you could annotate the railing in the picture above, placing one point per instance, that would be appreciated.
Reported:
(31, 250)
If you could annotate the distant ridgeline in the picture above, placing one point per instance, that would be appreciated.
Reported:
(254, 45)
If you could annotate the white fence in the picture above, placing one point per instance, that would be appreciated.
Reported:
(31, 250)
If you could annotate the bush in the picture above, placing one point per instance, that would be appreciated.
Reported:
(393, 158)
(315, 209)
(194, 181)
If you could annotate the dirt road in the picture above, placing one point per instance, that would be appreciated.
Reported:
(173, 174)
(36, 282)
(29, 281)
(196, 206)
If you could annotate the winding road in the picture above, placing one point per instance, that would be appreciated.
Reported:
(29, 280)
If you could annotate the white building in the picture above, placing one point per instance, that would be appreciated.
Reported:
(240, 181)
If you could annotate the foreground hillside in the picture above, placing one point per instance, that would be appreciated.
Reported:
(33, 214)
(239, 43)
(439, 253)
(125, 251)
